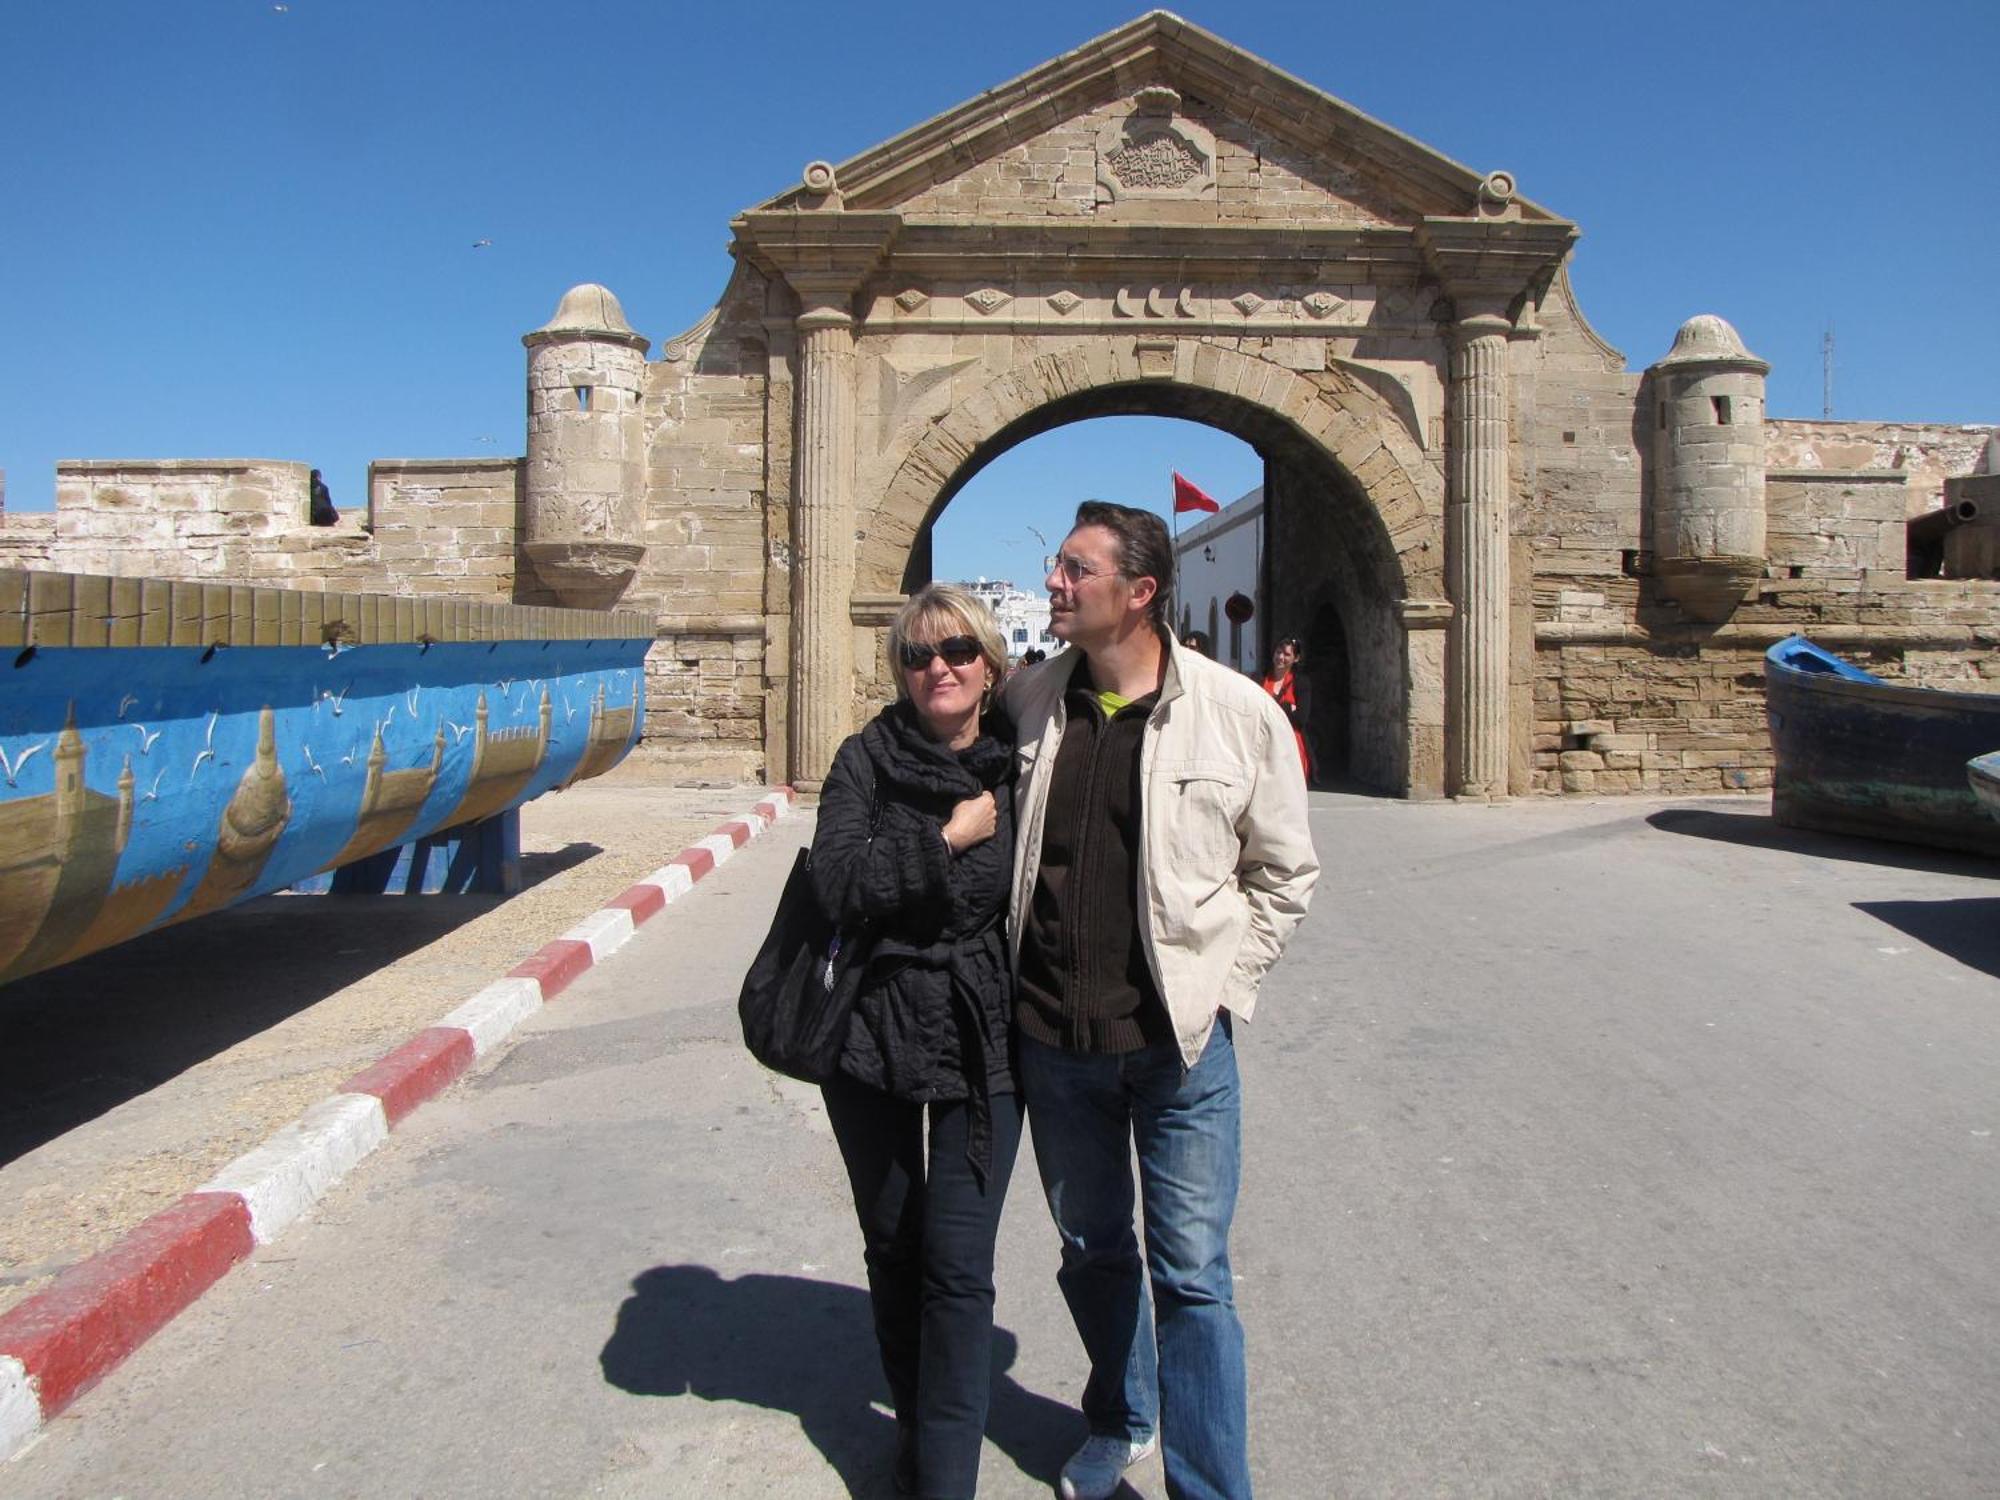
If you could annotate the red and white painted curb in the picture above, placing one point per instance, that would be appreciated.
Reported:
(63, 1340)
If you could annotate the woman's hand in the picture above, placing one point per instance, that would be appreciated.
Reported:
(973, 821)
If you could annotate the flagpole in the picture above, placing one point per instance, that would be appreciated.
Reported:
(1174, 510)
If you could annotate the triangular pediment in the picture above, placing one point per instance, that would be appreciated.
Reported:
(1157, 120)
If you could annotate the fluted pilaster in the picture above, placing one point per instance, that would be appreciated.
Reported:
(1477, 543)
(822, 543)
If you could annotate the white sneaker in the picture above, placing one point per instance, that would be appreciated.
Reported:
(1093, 1471)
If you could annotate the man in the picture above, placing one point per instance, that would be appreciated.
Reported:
(1163, 858)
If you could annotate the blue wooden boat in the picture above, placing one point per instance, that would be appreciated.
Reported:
(169, 748)
(1983, 771)
(1859, 755)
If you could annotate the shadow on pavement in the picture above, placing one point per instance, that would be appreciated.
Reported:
(1967, 929)
(806, 1347)
(79, 1040)
(1761, 831)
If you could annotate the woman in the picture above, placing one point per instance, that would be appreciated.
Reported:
(913, 854)
(1294, 695)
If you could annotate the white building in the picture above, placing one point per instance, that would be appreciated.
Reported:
(1221, 557)
(1023, 616)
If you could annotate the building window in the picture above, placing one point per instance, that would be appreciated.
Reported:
(583, 398)
(1721, 409)
(1020, 635)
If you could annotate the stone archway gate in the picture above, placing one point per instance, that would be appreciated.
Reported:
(1154, 210)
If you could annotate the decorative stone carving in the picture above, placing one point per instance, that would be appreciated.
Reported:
(1322, 304)
(1157, 161)
(1155, 152)
(1496, 197)
(912, 298)
(989, 299)
(1065, 302)
(819, 180)
(1156, 303)
(1247, 304)
(676, 349)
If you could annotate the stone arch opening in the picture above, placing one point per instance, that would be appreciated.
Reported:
(1330, 554)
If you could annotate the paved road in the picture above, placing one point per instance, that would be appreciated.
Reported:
(1620, 1149)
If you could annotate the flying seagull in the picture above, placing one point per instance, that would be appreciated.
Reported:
(13, 767)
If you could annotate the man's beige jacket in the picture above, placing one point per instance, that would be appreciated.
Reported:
(1226, 859)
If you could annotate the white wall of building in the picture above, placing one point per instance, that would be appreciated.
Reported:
(1223, 556)
(1023, 616)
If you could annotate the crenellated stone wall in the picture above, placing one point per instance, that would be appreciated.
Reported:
(446, 526)
(1924, 454)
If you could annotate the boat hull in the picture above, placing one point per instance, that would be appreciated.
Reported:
(1858, 755)
(1983, 773)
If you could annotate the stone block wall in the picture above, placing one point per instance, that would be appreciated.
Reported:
(179, 518)
(430, 526)
(1619, 709)
(1824, 523)
(26, 540)
(715, 476)
(446, 525)
(1925, 454)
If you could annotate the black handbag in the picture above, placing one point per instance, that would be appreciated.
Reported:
(801, 987)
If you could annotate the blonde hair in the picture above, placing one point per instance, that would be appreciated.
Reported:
(938, 611)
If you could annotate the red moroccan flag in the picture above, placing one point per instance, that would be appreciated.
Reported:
(1190, 496)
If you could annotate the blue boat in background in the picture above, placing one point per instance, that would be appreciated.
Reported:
(1859, 755)
(1983, 771)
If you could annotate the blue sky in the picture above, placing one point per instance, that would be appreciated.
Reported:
(236, 228)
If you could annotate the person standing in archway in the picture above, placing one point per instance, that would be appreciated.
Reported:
(1293, 693)
(1163, 858)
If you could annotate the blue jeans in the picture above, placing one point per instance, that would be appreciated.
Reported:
(1174, 1364)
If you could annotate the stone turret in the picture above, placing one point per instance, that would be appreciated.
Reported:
(586, 472)
(1708, 469)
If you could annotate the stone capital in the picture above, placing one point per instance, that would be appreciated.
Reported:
(831, 308)
(823, 257)
(1482, 320)
(1486, 265)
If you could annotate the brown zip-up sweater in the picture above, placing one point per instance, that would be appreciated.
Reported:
(1085, 984)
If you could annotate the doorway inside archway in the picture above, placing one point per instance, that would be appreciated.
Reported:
(1280, 558)
(1009, 516)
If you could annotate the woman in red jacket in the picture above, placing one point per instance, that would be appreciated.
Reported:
(1294, 695)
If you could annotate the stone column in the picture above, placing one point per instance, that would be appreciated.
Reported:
(1476, 542)
(822, 536)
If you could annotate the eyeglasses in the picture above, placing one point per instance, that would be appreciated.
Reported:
(957, 651)
(1070, 568)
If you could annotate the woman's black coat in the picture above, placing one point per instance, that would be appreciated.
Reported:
(932, 1018)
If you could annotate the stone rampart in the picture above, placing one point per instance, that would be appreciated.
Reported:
(1924, 453)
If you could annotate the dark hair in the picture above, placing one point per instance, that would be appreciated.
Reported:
(1298, 651)
(1144, 548)
(1197, 640)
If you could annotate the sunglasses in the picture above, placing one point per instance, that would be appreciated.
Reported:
(957, 651)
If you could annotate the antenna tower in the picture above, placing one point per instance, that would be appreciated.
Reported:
(1826, 373)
